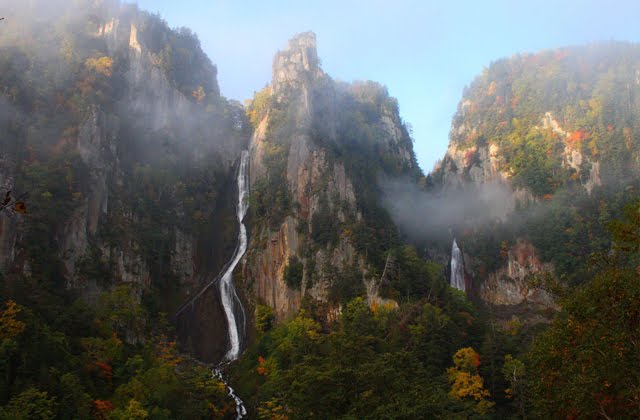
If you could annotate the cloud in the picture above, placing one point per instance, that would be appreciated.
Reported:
(426, 215)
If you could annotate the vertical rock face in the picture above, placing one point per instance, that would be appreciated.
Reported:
(296, 67)
(131, 133)
(96, 145)
(152, 98)
(267, 269)
(318, 183)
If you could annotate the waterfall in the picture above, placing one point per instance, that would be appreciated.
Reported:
(228, 295)
(457, 267)
(230, 301)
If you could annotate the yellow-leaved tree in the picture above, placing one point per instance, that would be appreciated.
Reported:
(101, 65)
(467, 385)
(10, 325)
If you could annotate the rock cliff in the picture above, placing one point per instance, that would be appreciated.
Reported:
(549, 129)
(297, 135)
(149, 147)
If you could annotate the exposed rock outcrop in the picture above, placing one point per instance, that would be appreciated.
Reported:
(141, 118)
(316, 181)
(510, 285)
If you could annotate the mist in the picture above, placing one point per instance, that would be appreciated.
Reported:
(423, 215)
(149, 104)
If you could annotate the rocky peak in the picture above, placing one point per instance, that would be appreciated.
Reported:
(297, 65)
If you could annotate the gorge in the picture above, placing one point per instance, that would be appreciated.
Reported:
(186, 256)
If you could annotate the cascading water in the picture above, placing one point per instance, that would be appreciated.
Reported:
(231, 303)
(457, 267)
(229, 297)
(230, 300)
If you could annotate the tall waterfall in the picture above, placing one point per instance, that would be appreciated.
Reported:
(457, 267)
(230, 301)
(229, 297)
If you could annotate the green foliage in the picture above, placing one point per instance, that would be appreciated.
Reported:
(409, 277)
(83, 363)
(94, 266)
(74, 401)
(561, 120)
(366, 366)
(325, 226)
(258, 107)
(264, 318)
(535, 157)
(586, 363)
(52, 190)
(514, 373)
(119, 310)
(134, 410)
(345, 285)
(293, 273)
(179, 55)
(270, 197)
(73, 140)
(358, 137)
(567, 230)
(431, 335)
(30, 404)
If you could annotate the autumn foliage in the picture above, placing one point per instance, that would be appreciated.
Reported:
(101, 65)
(466, 383)
(10, 325)
(102, 408)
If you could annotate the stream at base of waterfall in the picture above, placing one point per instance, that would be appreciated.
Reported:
(241, 411)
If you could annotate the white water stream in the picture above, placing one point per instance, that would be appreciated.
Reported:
(241, 411)
(229, 297)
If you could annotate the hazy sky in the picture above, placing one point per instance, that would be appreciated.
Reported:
(424, 51)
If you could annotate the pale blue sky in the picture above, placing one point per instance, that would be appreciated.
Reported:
(425, 52)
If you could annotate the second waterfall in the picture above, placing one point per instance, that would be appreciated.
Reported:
(233, 308)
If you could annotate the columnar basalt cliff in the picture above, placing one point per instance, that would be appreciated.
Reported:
(294, 165)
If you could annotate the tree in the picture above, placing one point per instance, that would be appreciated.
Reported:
(133, 411)
(466, 384)
(430, 337)
(293, 273)
(264, 318)
(119, 310)
(587, 363)
(102, 65)
(10, 326)
(74, 401)
(514, 373)
(30, 404)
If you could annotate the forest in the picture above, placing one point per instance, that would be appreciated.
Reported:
(119, 158)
